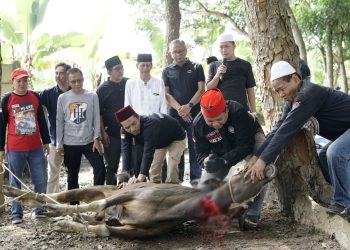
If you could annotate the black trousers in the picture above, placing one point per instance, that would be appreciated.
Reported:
(72, 160)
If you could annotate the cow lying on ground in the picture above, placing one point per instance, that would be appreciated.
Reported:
(143, 209)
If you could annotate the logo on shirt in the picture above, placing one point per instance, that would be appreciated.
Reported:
(156, 94)
(189, 71)
(24, 116)
(78, 112)
(231, 129)
(296, 105)
(214, 136)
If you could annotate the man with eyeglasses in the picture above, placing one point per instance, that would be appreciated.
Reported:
(184, 84)
(111, 99)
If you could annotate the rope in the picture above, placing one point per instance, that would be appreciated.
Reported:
(51, 199)
(230, 187)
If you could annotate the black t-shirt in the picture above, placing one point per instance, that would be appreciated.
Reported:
(233, 84)
(111, 99)
(183, 83)
(157, 131)
(233, 142)
(330, 107)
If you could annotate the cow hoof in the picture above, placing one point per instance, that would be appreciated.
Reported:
(270, 172)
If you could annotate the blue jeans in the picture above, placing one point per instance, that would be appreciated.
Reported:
(335, 165)
(38, 172)
(195, 169)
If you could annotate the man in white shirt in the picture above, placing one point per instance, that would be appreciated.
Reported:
(145, 94)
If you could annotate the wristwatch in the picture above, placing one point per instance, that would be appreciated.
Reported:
(190, 104)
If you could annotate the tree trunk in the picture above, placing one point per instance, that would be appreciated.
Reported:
(272, 40)
(324, 60)
(2, 199)
(343, 80)
(298, 37)
(329, 58)
(173, 20)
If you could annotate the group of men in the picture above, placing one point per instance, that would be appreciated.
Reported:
(131, 119)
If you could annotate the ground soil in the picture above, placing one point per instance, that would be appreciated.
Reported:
(275, 231)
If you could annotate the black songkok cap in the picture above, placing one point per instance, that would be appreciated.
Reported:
(109, 63)
(124, 113)
(144, 58)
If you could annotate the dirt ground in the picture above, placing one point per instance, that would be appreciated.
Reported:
(275, 231)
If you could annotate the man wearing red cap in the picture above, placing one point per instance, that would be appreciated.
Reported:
(159, 134)
(224, 134)
(27, 131)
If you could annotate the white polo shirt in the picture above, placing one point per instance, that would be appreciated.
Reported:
(147, 98)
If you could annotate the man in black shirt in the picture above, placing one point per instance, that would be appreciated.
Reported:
(158, 133)
(184, 84)
(111, 97)
(232, 75)
(331, 109)
(225, 134)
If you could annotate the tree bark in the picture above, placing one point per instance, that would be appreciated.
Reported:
(173, 20)
(297, 35)
(2, 198)
(343, 80)
(329, 58)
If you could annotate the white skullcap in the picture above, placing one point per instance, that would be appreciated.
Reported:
(280, 69)
(226, 38)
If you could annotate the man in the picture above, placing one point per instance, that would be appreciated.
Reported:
(225, 134)
(184, 85)
(158, 133)
(78, 130)
(145, 94)
(331, 108)
(111, 97)
(48, 98)
(27, 138)
(232, 75)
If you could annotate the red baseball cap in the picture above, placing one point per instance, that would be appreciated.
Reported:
(19, 73)
(212, 103)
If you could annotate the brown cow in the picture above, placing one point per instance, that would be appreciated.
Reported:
(142, 209)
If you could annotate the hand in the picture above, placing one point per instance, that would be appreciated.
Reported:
(97, 146)
(2, 156)
(60, 151)
(256, 171)
(213, 163)
(187, 118)
(250, 163)
(184, 110)
(221, 70)
(46, 148)
(105, 139)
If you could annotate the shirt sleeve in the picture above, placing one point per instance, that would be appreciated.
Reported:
(97, 119)
(165, 78)
(250, 77)
(150, 138)
(200, 73)
(127, 96)
(289, 127)
(245, 134)
(163, 103)
(59, 123)
(4, 121)
(100, 99)
(201, 146)
(126, 140)
(44, 131)
(211, 71)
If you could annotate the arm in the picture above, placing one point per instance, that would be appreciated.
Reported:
(184, 110)
(201, 147)
(59, 123)
(163, 103)
(127, 95)
(44, 131)
(104, 135)
(171, 100)
(4, 121)
(97, 127)
(251, 99)
(126, 149)
(214, 74)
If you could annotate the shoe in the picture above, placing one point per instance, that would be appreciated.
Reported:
(345, 213)
(335, 209)
(17, 220)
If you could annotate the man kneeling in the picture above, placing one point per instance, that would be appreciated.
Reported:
(158, 133)
(225, 134)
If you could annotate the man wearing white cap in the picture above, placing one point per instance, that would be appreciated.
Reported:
(331, 109)
(232, 75)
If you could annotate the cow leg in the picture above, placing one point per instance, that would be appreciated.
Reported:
(76, 227)
(95, 206)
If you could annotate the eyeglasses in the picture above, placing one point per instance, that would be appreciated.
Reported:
(118, 68)
(178, 51)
